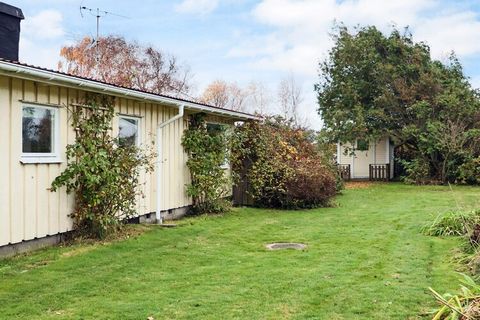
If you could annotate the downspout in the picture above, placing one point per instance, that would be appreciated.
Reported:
(160, 159)
(338, 153)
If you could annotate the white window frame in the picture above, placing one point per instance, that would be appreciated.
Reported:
(138, 141)
(38, 157)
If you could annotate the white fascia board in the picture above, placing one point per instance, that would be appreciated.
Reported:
(46, 76)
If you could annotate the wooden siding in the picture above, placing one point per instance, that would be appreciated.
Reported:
(381, 153)
(342, 157)
(28, 210)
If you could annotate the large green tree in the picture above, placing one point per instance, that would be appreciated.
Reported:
(372, 84)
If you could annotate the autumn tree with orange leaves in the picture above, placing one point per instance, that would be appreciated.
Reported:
(225, 95)
(126, 64)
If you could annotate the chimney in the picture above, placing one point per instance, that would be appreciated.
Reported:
(10, 18)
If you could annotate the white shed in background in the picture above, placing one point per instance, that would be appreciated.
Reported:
(364, 159)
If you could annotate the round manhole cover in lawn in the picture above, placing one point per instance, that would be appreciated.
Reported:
(286, 245)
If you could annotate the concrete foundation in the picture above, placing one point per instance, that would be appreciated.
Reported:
(168, 215)
(11, 250)
(175, 214)
(35, 244)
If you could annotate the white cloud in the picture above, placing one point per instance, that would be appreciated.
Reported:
(475, 81)
(41, 38)
(457, 31)
(270, 44)
(297, 35)
(197, 6)
(37, 54)
(47, 24)
(299, 30)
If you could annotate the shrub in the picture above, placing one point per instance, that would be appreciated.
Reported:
(282, 165)
(417, 171)
(311, 185)
(103, 176)
(469, 172)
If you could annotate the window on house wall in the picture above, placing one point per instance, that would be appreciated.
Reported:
(217, 128)
(39, 134)
(128, 131)
(362, 145)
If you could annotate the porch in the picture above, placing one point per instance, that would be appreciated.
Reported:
(376, 172)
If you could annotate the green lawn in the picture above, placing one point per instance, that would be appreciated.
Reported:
(366, 259)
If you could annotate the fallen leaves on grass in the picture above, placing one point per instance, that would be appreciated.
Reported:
(351, 185)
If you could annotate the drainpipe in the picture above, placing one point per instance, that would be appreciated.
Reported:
(160, 160)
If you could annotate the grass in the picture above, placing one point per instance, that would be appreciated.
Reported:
(366, 259)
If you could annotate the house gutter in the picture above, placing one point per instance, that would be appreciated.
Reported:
(10, 69)
(50, 77)
(160, 126)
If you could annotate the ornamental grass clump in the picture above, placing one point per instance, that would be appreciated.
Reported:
(465, 304)
(453, 223)
(103, 176)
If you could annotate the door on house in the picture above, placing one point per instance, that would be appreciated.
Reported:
(363, 158)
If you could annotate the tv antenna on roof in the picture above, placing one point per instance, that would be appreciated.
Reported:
(97, 13)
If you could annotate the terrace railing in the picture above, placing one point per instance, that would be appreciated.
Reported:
(344, 171)
(379, 172)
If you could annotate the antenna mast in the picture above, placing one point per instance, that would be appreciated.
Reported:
(97, 13)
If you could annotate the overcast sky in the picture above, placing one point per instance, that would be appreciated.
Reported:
(245, 40)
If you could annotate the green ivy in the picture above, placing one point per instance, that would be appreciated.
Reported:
(207, 151)
(103, 176)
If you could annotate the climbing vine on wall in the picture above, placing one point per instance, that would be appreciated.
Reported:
(207, 150)
(103, 176)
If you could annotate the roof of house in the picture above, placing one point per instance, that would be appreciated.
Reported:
(30, 72)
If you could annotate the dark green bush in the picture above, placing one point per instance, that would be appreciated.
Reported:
(417, 171)
(469, 172)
